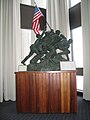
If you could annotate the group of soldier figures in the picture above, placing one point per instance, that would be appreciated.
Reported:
(50, 48)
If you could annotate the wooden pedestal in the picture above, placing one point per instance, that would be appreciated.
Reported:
(46, 92)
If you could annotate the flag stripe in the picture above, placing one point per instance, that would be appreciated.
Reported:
(36, 27)
(38, 14)
(35, 22)
(37, 17)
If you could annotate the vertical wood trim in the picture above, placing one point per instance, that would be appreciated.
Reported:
(40, 102)
(18, 94)
(50, 93)
(58, 92)
(37, 92)
(34, 93)
(68, 91)
(73, 93)
(44, 95)
(62, 92)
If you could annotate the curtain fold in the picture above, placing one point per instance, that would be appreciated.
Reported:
(85, 17)
(10, 47)
(58, 15)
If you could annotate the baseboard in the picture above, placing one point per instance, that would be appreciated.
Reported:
(80, 93)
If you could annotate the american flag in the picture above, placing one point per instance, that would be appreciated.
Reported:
(35, 22)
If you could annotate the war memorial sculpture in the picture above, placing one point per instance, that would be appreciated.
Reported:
(45, 87)
(50, 48)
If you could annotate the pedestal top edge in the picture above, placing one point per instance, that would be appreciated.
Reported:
(46, 71)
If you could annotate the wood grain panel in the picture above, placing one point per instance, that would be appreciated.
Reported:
(50, 93)
(46, 92)
(33, 97)
(58, 93)
(68, 95)
(73, 93)
(40, 93)
(62, 92)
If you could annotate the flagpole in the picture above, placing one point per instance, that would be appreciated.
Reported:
(44, 18)
(47, 23)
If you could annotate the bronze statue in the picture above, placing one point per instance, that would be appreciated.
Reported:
(45, 47)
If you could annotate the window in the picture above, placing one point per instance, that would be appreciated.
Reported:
(28, 36)
(26, 2)
(74, 2)
(78, 54)
(77, 47)
(41, 3)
